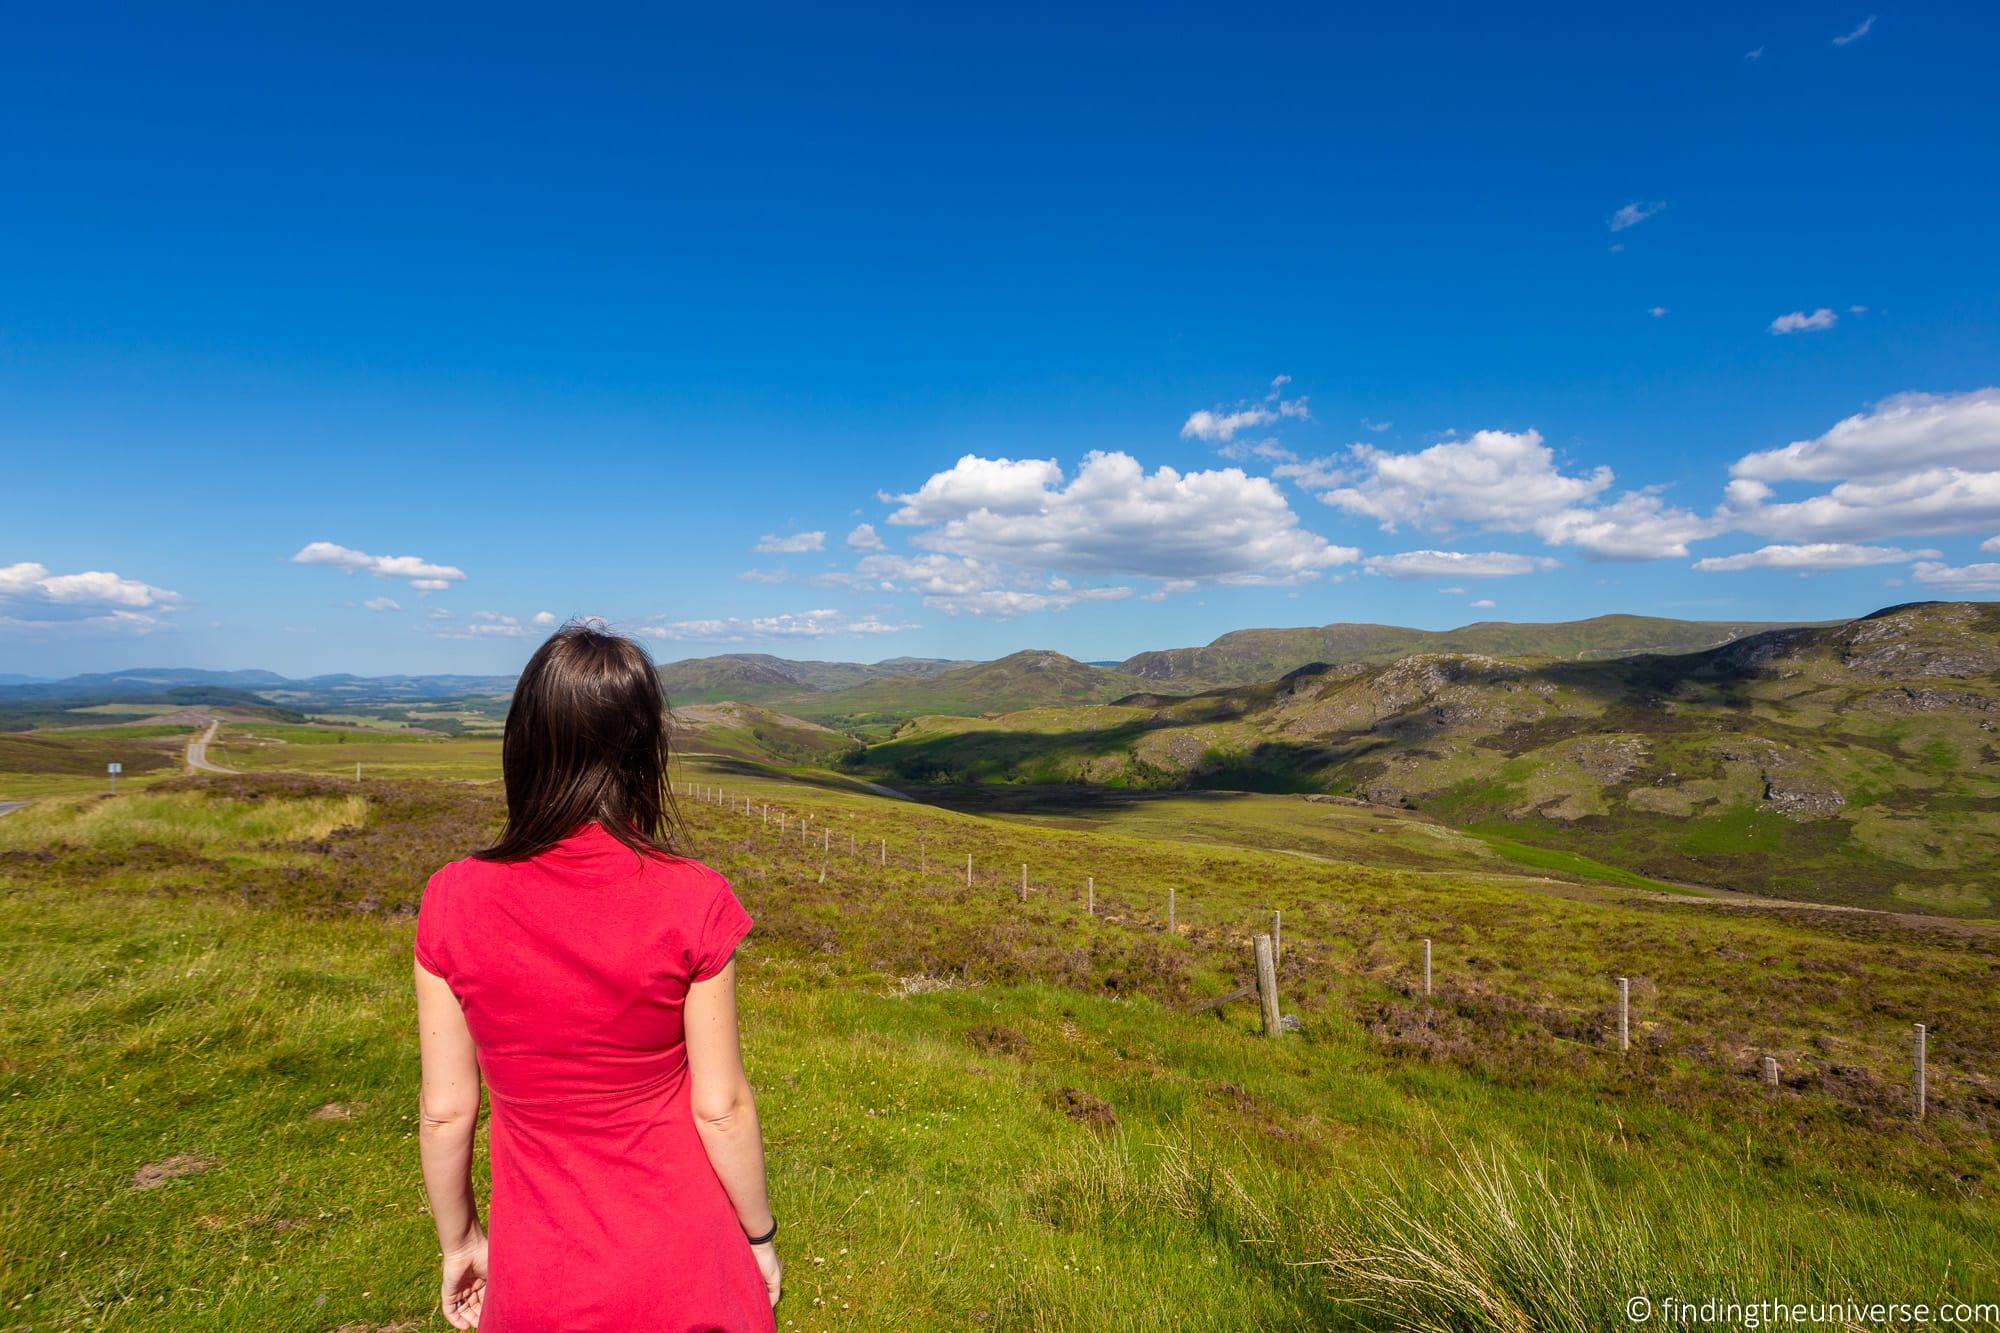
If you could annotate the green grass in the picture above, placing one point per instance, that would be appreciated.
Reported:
(1565, 863)
(193, 972)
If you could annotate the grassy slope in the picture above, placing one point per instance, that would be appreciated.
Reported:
(197, 972)
(1032, 679)
(1852, 764)
(1245, 656)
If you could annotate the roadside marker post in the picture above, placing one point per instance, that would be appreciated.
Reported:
(357, 772)
(1624, 1013)
(112, 771)
(885, 851)
(968, 870)
(1919, 1071)
(1170, 913)
(1090, 895)
(1267, 986)
(1770, 1071)
(1024, 881)
(1427, 967)
(1277, 935)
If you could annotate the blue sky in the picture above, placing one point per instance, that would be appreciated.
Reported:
(487, 314)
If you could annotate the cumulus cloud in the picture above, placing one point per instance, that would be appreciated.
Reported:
(1811, 556)
(1492, 479)
(1990, 544)
(382, 604)
(1376, 426)
(961, 585)
(421, 574)
(1220, 425)
(817, 624)
(795, 544)
(1915, 464)
(1484, 604)
(32, 598)
(1638, 525)
(1960, 579)
(1457, 564)
(1657, 311)
(544, 618)
(1805, 321)
(1115, 518)
(766, 576)
(1631, 215)
(1857, 33)
(864, 538)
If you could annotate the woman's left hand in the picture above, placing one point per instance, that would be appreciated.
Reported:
(464, 1288)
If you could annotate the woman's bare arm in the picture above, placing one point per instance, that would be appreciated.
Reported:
(725, 1110)
(449, 1112)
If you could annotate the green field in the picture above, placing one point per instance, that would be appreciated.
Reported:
(985, 1112)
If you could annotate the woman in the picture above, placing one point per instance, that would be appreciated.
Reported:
(585, 968)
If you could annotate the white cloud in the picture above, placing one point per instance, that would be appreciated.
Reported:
(491, 624)
(1855, 34)
(1271, 450)
(864, 538)
(1492, 479)
(1115, 518)
(798, 542)
(422, 575)
(438, 613)
(1221, 424)
(1803, 321)
(766, 576)
(816, 624)
(960, 585)
(1961, 579)
(1811, 556)
(1457, 564)
(1451, 592)
(544, 618)
(1484, 604)
(1916, 464)
(31, 598)
(1638, 525)
(1657, 312)
(1632, 214)
(1376, 426)
(1990, 544)
(1757, 54)
(382, 604)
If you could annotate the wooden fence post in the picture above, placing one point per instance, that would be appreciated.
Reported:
(1770, 1071)
(826, 842)
(968, 870)
(1170, 912)
(923, 858)
(1024, 881)
(1427, 966)
(1090, 895)
(1267, 986)
(1624, 1013)
(885, 851)
(1918, 1072)
(1277, 936)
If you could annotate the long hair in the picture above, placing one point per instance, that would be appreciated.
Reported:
(587, 739)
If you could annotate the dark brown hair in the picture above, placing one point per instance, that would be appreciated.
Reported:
(587, 739)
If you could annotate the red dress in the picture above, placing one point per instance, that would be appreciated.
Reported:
(572, 968)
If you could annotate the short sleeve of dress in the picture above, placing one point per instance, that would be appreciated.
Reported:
(430, 948)
(723, 926)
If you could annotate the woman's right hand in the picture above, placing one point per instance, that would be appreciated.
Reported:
(772, 1267)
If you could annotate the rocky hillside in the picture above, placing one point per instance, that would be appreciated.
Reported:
(1856, 762)
(1249, 655)
(1035, 678)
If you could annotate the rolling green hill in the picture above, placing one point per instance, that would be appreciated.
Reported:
(762, 678)
(1030, 679)
(1248, 655)
(1852, 763)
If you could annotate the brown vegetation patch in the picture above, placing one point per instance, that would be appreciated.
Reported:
(999, 1040)
(1084, 1108)
(155, 1174)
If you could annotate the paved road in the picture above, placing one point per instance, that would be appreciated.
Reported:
(197, 752)
(9, 807)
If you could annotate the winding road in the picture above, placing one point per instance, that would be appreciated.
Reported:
(197, 751)
(9, 807)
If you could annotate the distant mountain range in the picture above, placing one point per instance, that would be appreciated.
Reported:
(1856, 762)
(874, 694)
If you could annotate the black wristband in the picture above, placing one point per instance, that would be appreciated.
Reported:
(767, 1237)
